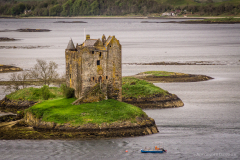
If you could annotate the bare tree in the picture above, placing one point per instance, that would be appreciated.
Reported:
(44, 71)
(18, 81)
(22, 78)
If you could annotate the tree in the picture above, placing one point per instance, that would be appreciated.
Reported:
(18, 81)
(45, 72)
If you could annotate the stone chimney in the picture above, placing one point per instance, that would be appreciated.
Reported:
(87, 36)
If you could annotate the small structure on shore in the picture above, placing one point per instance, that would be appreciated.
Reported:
(94, 69)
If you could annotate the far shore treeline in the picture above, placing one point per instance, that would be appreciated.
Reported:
(25, 8)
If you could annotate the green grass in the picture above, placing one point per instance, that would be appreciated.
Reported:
(133, 87)
(62, 111)
(34, 94)
(160, 73)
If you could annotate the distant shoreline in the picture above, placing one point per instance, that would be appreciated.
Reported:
(109, 17)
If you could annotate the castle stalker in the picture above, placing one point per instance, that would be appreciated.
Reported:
(94, 69)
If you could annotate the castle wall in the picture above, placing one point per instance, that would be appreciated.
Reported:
(92, 64)
(93, 69)
(114, 70)
(73, 70)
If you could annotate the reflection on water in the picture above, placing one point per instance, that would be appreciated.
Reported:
(207, 127)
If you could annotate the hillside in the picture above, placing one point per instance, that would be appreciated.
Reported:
(27, 8)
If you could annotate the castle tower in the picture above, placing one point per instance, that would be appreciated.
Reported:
(94, 69)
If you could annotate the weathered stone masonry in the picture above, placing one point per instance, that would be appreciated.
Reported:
(94, 69)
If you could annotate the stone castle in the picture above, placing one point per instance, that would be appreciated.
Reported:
(94, 69)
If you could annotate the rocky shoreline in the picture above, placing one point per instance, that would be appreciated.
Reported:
(156, 101)
(7, 68)
(33, 128)
(14, 126)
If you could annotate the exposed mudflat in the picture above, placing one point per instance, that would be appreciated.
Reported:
(26, 30)
(7, 68)
(2, 39)
(69, 22)
(193, 22)
(181, 63)
(200, 22)
(23, 47)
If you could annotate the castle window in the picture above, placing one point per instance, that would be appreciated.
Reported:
(106, 77)
(100, 54)
(92, 52)
(110, 46)
(93, 78)
(100, 79)
(70, 76)
(98, 62)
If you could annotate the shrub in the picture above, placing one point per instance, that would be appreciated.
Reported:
(67, 91)
(45, 92)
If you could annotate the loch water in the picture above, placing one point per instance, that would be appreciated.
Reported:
(206, 127)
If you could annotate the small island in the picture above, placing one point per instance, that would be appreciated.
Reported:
(26, 30)
(209, 21)
(146, 95)
(163, 77)
(69, 22)
(3, 39)
(7, 68)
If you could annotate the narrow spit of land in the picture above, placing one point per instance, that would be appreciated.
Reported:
(166, 77)
(8, 68)
(209, 21)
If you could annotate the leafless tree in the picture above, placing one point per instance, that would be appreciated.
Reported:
(18, 81)
(44, 71)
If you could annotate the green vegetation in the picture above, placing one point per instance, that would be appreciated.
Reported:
(133, 87)
(118, 7)
(62, 111)
(67, 91)
(36, 94)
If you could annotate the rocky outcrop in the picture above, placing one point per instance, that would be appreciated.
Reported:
(142, 126)
(8, 118)
(14, 106)
(155, 101)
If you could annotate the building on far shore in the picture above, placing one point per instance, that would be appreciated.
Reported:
(94, 69)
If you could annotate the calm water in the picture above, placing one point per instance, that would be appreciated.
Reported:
(207, 127)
